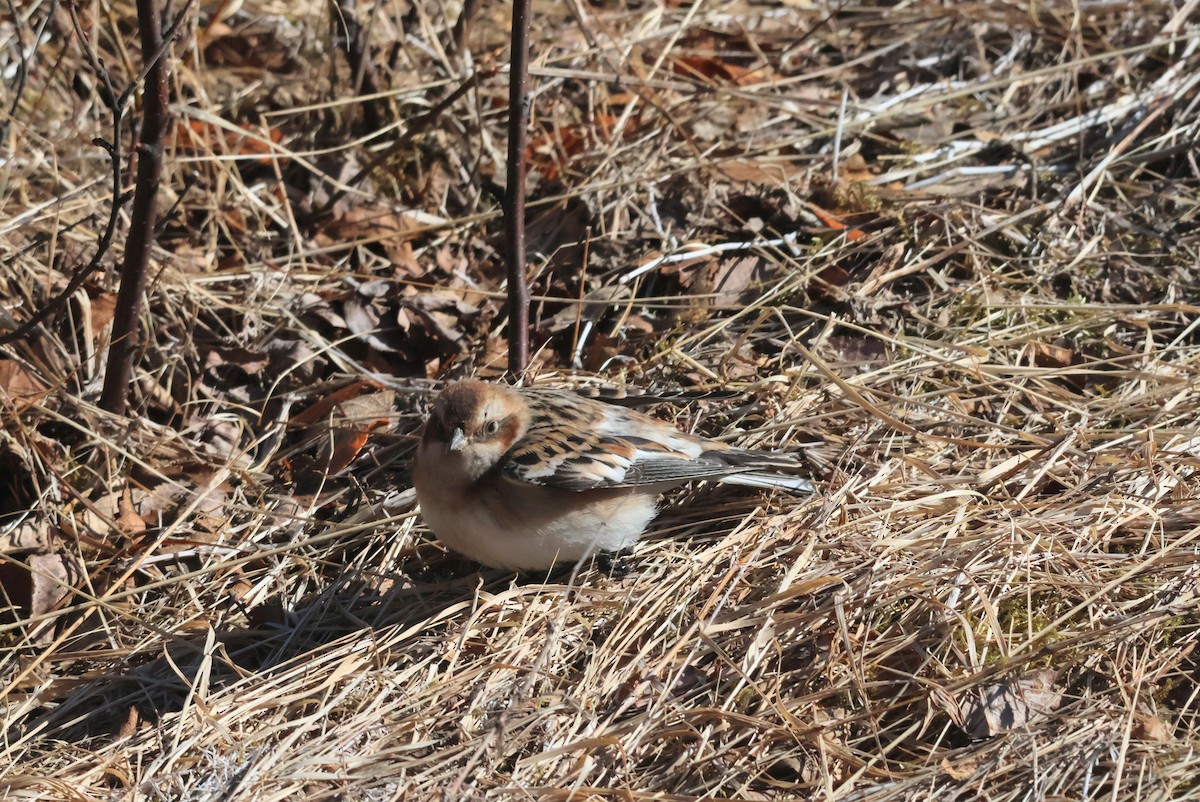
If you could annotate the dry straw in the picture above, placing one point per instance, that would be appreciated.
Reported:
(988, 321)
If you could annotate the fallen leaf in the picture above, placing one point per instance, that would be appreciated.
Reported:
(32, 534)
(390, 229)
(364, 414)
(559, 236)
(596, 304)
(18, 387)
(128, 520)
(260, 51)
(1148, 727)
(348, 443)
(342, 423)
(759, 172)
(550, 151)
(724, 281)
(132, 723)
(714, 70)
(53, 576)
(828, 281)
(1045, 355)
(36, 586)
(831, 220)
(442, 313)
(243, 139)
(1009, 705)
(733, 277)
(855, 168)
(851, 353)
(325, 405)
(104, 308)
(1056, 357)
(961, 769)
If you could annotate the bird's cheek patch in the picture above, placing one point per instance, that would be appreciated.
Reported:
(510, 430)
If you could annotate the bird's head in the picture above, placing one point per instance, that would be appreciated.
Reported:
(473, 424)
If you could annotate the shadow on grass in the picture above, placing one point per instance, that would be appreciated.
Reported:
(143, 691)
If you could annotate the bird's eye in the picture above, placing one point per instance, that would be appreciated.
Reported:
(491, 427)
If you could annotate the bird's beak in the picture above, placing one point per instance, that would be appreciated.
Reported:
(458, 440)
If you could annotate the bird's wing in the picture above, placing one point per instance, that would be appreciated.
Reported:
(580, 444)
(607, 461)
(577, 443)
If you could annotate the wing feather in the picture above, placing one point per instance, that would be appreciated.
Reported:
(615, 468)
(579, 444)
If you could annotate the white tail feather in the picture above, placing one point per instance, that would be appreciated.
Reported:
(769, 481)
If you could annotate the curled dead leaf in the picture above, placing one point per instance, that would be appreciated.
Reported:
(1009, 705)
(37, 585)
(19, 387)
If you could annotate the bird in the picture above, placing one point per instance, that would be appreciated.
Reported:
(526, 478)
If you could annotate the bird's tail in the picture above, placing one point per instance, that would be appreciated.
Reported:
(769, 481)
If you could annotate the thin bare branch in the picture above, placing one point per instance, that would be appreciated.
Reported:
(514, 195)
(155, 115)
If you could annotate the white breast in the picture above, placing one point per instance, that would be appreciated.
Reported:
(527, 528)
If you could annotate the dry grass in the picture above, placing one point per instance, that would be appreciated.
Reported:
(993, 594)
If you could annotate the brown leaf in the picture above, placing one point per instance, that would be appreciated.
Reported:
(961, 769)
(850, 353)
(1055, 357)
(104, 308)
(365, 414)
(251, 362)
(347, 444)
(325, 405)
(1045, 355)
(759, 173)
(1009, 705)
(597, 303)
(128, 520)
(714, 70)
(107, 516)
(733, 277)
(209, 514)
(244, 139)
(441, 314)
(53, 575)
(353, 414)
(261, 51)
(603, 348)
(133, 722)
(730, 280)
(828, 281)
(37, 585)
(32, 534)
(362, 318)
(560, 233)
(886, 263)
(1147, 727)
(835, 222)
(392, 230)
(855, 169)
(548, 152)
(19, 387)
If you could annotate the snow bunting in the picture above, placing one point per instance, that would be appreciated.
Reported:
(523, 478)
